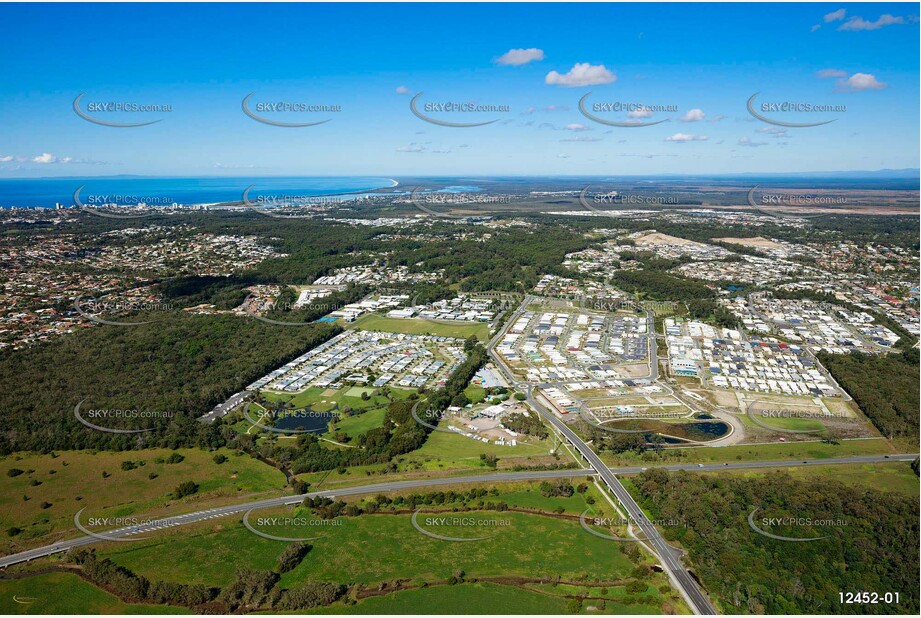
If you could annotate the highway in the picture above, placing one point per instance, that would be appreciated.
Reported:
(700, 604)
(776, 463)
(698, 601)
(127, 532)
(239, 509)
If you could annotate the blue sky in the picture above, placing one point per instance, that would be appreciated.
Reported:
(706, 60)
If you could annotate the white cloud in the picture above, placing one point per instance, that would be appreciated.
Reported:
(517, 57)
(835, 16)
(45, 157)
(402, 90)
(646, 155)
(861, 81)
(747, 141)
(686, 137)
(855, 24)
(411, 148)
(6, 158)
(562, 156)
(643, 112)
(529, 111)
(717, 118)
(247, 166)
(575, 126)
(773, 131)
(815, 27)
(693, 115)
(581, 138)
(581, 74)
(828, 73)
(557, 108)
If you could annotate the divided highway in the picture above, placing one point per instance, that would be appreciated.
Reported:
(698, 601)
(700, 604)
(238, 509)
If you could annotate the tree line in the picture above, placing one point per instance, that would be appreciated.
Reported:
(870, 540)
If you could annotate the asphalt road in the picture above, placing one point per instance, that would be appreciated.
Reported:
(698, 601)
(127, 532)
(238, 509)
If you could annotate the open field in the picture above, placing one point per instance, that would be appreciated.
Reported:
(67, 593)
(488, 598)
(324, 399)
(377, 548)
(896, 476)
(442, 454)
(414, 326)
(72, 480)
(756, 242)
(475, 393)
(354, 426)
(755, 452)
(447, 450)
(777, 422)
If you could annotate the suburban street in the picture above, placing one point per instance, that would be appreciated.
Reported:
(669, 558)
(698, 601)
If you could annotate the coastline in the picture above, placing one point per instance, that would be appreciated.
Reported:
(45, 198)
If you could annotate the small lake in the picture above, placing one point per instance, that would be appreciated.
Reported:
(306, 420)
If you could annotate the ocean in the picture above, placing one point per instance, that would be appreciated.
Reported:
(46, 192)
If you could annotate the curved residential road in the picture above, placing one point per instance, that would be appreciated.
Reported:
(238, 509)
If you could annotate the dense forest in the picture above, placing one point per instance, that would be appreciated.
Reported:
(871, 541)
(660, 285)
(171, 371)
(897, 230)
(514, 259)
(884, 386)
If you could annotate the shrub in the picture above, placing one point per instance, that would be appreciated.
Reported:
(313, 594)
(185, 489)
(292, 556)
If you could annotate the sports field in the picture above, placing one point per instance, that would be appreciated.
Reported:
(413, 326)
